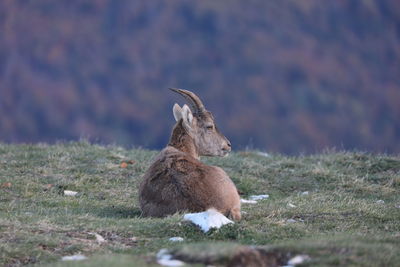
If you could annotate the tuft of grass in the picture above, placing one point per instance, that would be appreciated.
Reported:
(350, 215)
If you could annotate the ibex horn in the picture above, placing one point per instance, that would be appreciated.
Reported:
(193, 100)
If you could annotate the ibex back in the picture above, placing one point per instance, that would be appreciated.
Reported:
(177, 181)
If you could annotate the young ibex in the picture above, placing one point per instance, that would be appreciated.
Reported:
(177, 180)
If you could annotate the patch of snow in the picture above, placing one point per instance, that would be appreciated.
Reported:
(380, 201)
(291, 220)
(263, 154)
(305, 193)
(258, 197)
(162, 252)
(398, 206)
(70, 193)
(111, 165)
(169, 262)
(77, 257)
(299, 259)
(176, 239)
(118, 155)
(207, 219)
(290, 205)
(246, 201)
(165, 259)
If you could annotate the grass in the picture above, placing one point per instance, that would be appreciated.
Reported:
(339, 222)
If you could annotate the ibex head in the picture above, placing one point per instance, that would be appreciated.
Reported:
(199, 124)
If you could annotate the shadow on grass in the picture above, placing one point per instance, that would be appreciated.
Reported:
(119, 212)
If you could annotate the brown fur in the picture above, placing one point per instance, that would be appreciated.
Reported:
(177, 181)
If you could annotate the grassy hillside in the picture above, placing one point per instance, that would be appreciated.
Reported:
(350, 215)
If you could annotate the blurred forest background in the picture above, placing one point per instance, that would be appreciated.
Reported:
(283, 76)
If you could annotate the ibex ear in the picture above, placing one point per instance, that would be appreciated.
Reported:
(187, 116)
(177, 110)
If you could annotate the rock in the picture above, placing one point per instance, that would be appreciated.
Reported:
(252, 256)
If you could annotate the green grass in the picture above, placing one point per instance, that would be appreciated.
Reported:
(339, 222)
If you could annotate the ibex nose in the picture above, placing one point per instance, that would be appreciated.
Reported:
(227, 146)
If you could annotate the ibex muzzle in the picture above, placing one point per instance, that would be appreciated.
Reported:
(200, 125)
